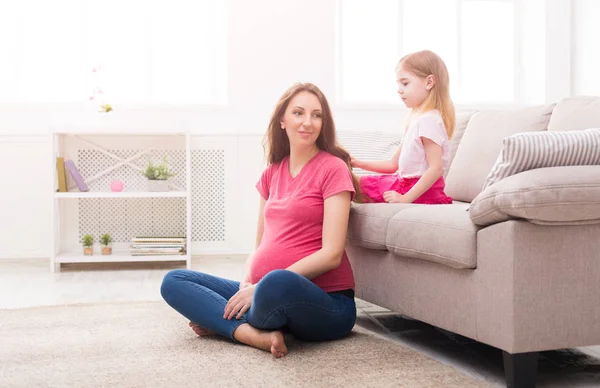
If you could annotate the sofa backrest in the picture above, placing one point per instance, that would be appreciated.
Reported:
(477, 139)
(462, 120)
(383, 145)
(576, 113)
(369, 145)
(481, 145)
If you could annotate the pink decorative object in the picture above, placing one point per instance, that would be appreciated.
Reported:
(116, 185)
(98, 93)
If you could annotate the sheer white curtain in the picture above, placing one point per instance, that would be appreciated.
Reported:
(586, 55)
(494, 49)
(130, 51)
(368, 45)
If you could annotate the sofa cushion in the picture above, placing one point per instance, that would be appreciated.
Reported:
(481, 144)
(576, 113)
(554, 195)
(530, 150)
(369, 223)
(443, 234)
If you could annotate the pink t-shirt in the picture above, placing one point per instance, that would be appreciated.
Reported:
(412, 162)
(293, 218)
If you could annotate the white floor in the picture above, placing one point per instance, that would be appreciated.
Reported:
(29, 283)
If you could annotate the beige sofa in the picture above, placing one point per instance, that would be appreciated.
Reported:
(516, 266)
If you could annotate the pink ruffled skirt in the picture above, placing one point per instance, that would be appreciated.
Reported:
(373, 186)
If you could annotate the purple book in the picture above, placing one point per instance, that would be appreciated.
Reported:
(76, 175)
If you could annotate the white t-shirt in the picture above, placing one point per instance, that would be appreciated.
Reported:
(412, 162)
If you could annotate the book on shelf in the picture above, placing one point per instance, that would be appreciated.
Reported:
(70, 166)
(157, 245)
(61, 174)
(169, 251)
(156, 253)
(141, 246)
(158, 239)
(62, 166)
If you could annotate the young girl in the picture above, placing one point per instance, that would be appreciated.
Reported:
(418, 165)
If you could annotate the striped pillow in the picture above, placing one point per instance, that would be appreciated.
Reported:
(369, 146)
(530, 150)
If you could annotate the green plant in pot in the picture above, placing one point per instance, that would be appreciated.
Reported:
(158, 175)
(105, 240)
(88, 244)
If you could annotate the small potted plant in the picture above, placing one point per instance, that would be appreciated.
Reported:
(158, 176)
(105, 240)
(88, 244)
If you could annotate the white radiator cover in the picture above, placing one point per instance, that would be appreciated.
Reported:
(127, 218)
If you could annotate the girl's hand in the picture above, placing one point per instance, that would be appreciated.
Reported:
(395, 197)
(354, 162)
(239, 303)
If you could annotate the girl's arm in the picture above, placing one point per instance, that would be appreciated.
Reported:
(259, 233)
(433, 154)
(335, 225)
(379, 166)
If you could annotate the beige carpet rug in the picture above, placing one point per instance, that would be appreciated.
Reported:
(150, 345)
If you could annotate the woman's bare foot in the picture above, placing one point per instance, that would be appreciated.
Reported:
(270, 341)
(199, 330)
(278, 348)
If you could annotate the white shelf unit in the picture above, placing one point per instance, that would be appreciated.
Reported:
(140, 194)
(133, 212)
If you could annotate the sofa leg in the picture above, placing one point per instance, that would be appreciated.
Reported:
(520, 369)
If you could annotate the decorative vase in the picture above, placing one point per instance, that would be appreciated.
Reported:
(88, 251)
(158, 185)
(116, 185)
(107, 250)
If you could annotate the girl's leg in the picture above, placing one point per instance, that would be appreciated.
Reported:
(284, 298)
(369, 186)
(373, 186)
(201, 298)
(435, 195)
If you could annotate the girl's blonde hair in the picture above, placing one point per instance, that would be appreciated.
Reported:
(425, 63)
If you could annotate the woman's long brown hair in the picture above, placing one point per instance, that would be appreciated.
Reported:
(277, 143)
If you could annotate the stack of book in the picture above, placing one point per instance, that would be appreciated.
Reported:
(154, 246)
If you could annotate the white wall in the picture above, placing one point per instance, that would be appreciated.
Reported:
(271, 45)
(586, 56)
(25, 205)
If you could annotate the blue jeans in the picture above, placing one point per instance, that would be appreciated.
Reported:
(283, 300)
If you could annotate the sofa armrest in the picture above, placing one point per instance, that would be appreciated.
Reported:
(547, 196)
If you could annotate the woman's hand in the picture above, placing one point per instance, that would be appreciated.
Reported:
(244, 284)
(354, 162)
(239, 303)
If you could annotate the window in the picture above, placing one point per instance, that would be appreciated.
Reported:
(494, 49)
(586, 61)
(134, 51)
